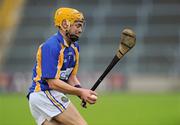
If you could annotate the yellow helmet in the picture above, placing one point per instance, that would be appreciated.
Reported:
(69, 14)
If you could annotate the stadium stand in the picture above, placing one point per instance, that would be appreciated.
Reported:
(10, 15)
(156, 23)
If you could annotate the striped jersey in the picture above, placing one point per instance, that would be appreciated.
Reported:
(54, 60)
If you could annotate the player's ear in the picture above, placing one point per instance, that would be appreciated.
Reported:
(65, 24)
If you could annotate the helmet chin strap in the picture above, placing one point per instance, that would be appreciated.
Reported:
(72, 37)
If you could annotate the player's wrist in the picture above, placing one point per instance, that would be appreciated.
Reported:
(78, 86)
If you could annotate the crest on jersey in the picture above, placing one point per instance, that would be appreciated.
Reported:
(64, 99)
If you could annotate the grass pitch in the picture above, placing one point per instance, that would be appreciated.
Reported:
(111, 109)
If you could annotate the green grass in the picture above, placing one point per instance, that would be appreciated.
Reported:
(111, 109)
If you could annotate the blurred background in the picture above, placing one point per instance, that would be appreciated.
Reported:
(148, 77)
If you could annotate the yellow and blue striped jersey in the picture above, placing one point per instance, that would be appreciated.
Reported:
(54, 60)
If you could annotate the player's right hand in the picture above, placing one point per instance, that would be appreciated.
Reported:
(86, 95)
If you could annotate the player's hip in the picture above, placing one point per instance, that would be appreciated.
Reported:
(52, 96)
(47, 104)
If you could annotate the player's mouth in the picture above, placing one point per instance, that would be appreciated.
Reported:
(73, 37)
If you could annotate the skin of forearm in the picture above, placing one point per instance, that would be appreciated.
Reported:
(73, 80)
(62, 86)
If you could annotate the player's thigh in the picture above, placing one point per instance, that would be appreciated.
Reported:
(51, 122)
(70, 116)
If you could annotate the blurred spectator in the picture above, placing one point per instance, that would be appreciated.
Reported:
(116, 82)
(5, 82)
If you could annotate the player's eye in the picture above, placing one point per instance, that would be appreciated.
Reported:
(79, 25)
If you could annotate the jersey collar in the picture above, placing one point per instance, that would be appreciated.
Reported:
(61, 39)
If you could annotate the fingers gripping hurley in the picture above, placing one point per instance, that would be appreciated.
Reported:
(127, 42)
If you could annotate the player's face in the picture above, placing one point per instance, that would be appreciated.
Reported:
(77, 28)
(75, 31)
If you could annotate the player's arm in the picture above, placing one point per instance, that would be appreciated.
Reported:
(73, 81)
(61, 86)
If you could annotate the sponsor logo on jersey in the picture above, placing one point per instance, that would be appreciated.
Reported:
(65, 73)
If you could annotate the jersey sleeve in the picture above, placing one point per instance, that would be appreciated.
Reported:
(49, 61)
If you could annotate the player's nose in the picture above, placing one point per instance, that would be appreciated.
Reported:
(80, 30)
